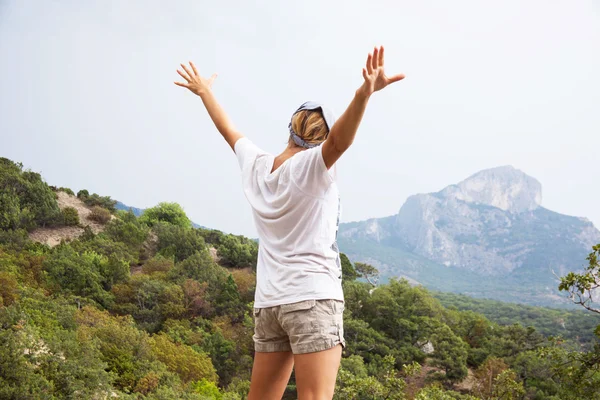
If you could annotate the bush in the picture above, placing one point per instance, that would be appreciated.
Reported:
(83, 194)
(99, 214)
(66, 190)
(26, 201)
(171, 213)
(238, 251)
(102, 201)
(178, 242)
(70, 216)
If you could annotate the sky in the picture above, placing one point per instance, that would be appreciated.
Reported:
(87, 96)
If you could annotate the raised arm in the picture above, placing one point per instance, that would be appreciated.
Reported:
(202, 87)
(344, 130)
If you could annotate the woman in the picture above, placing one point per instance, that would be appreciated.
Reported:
(294, 198)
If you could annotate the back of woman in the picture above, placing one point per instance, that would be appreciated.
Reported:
(299, 302)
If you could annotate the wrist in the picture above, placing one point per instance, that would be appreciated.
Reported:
(205, 93)
(363, 93)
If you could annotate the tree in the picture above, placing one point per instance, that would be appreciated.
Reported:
(79, 274)
(180, 243)
(450, 354)
(189, 364)
(581, 287)
(26, 201)
(171, 213)
(348, 271)
(237, 251)
(368, 272)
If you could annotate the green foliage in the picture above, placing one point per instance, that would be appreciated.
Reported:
(368, 272)
(66, 190)
(26, 201)
(41, 356)
(97, 200)
(170, 213)
(84, 274)
(99, 214)
(189, 364)
(575, 325)
(76, 323)
(581, 286)
(148, 300)
(237, 251)
(127, 229)
(436, 392)
(450, 353)
(207, 389)
(70, 216)
(180, 243)
(386, 385)
(348, 271)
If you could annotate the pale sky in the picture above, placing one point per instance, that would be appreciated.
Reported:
(87, 96)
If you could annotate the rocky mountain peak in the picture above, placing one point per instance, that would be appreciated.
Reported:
(503, 187)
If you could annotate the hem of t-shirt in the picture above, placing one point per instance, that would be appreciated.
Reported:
(292, 300)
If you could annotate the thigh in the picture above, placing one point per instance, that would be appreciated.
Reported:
(270, 375)
(316, 373)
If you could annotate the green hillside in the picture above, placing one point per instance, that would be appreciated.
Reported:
(100, 303)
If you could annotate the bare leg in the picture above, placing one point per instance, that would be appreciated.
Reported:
(316, 373)
(270, 375)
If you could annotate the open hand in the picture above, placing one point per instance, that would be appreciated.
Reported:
(195, 83)
(375, 77)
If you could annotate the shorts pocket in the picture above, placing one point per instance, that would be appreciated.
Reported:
(300, 306)
(300, 318)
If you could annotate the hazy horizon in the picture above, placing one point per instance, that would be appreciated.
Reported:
(88, 98)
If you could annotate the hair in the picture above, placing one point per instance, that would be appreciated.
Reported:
(310, 126)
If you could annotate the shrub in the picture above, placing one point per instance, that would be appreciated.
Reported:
(99, 214)
(83, 194)
(26, 201)
(70, 216)
(102, 201)
(178, 242)
(66, 190)
(171, 213)
(238, 251)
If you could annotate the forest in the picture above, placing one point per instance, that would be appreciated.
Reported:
(150, 307)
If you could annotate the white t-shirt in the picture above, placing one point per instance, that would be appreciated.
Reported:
(296, 212)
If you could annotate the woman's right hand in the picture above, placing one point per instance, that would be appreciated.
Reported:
(375, 77)
(195, 83)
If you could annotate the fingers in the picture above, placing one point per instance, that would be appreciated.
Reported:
(375, 61)
(381, 56)
(188, 72)
(184, 76)
(395, 78)
(185, 85)
(365, 75)
(194, 68)
(370, 64)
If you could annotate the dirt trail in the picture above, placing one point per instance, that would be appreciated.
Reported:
(53, 236)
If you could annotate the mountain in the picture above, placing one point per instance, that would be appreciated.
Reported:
(487, 236)
(136, 211)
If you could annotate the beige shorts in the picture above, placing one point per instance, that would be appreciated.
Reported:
(305, 327)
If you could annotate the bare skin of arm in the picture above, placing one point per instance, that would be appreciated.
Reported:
(344, 130)
(202, 87)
